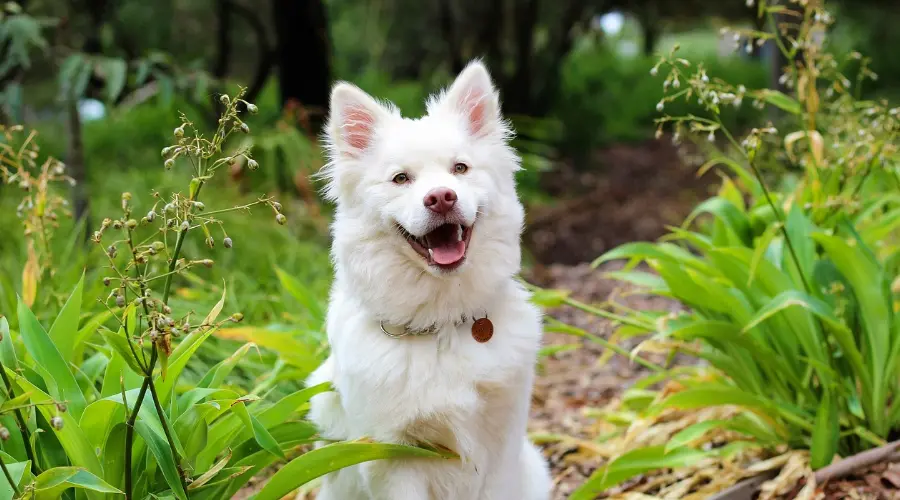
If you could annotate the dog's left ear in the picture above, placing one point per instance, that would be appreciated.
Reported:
(473, 95)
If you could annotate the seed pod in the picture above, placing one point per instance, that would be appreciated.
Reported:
(151, 215)
(245, 128)
(276, 206)
(117, 224)
(185, 226)
(252, 108)
(227, 242)
(111, 251)
(224, 99)
(106, 222)
(207, 262)
(210, 242)
(168, 164)
(106, 281)
(120, 301)
(199, 205)
(179, 132)
(61, 407)
(57, 423)
(252, 164)
(158, 245)
(165, 151)
(237, 317)
(281, 219)
(166, 309)
(131, 224)
(4, 433)
(98, 236)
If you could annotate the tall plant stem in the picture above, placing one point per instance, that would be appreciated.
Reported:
(23, 428)
(148, 376)
(9, 478)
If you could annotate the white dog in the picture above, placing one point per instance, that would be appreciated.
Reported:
(426, 243)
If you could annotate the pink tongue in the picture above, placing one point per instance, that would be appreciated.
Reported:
(451, 253)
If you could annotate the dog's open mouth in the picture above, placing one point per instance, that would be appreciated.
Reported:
(444, 247)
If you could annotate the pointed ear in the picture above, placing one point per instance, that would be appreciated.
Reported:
(352, 119)
(473, 95)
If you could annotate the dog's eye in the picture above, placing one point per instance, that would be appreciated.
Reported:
(460, 168)
(400, 178)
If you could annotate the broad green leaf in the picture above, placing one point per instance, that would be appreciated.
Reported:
(76, 444)
(309, 300)
(64, 387)
(825, 433)
(284, 408)
(639, 278)
(633, 463)
(114, 71)
(50, 484)
(113, 461)
(17, 470)
(179, 359)
(742, 172)
(119, 344)
(781, 100)
(84, 334)
(660, 251)
(216, 375)
(694, 433)
(721, 395)
(116, 373)
(725, 211)
(332, 457)
(163, 455)
(260, 433)
(7, 351)
(65, 327)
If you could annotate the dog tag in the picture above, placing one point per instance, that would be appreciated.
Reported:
(482, 330)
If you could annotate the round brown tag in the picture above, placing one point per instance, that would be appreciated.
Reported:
(482, 330)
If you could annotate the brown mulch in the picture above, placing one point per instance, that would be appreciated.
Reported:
(631, 193)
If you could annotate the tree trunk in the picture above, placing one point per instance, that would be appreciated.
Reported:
(302, 55)
(77, 168)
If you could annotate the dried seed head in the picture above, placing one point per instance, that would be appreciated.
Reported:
(252, 164)
(111, 251)
(97, 236)
(168, 164)
(106, 222)
(117, 224)
(106, 281)
(227, 242)
(281, 219)
(224, 99)
(4, 433)
(166, 309)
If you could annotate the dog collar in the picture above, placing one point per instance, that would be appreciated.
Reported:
(482, 329)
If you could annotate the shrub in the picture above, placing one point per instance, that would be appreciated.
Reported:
(607, 98)
(791, 293)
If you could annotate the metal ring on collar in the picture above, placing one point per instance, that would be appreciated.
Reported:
(393, 335)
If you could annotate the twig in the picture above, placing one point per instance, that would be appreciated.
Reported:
(855, 462)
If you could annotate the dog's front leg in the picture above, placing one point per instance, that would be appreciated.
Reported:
(394, 480)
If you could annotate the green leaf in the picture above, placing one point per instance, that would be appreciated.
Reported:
(633, 463)
(216, 375)
(50, 363)
(50, 484)
(309, 300)
(693, 433)
(260, 433)
(825, 433)
(730, 215)
(114, 70)
(781, 100)
(64, 328)
(332, 457)
(76, 444)
(119, 344)
(7, 351)
(161, 452)
(18, 470)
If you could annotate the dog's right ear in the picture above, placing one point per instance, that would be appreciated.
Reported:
(352, 119)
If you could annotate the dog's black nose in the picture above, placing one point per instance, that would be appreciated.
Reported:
(440, 200)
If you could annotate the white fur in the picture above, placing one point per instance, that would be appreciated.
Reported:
(445, 388)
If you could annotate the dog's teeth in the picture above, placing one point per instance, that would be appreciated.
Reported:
(459, 233)
(431, 253)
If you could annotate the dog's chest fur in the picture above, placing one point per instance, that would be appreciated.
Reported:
(446, 388)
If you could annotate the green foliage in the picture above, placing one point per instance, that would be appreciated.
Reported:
(608, 98)
(791, 294)
(208, 409)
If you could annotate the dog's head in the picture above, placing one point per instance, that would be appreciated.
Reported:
(433, 196)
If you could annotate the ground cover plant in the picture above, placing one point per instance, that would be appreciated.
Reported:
(789, 288)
